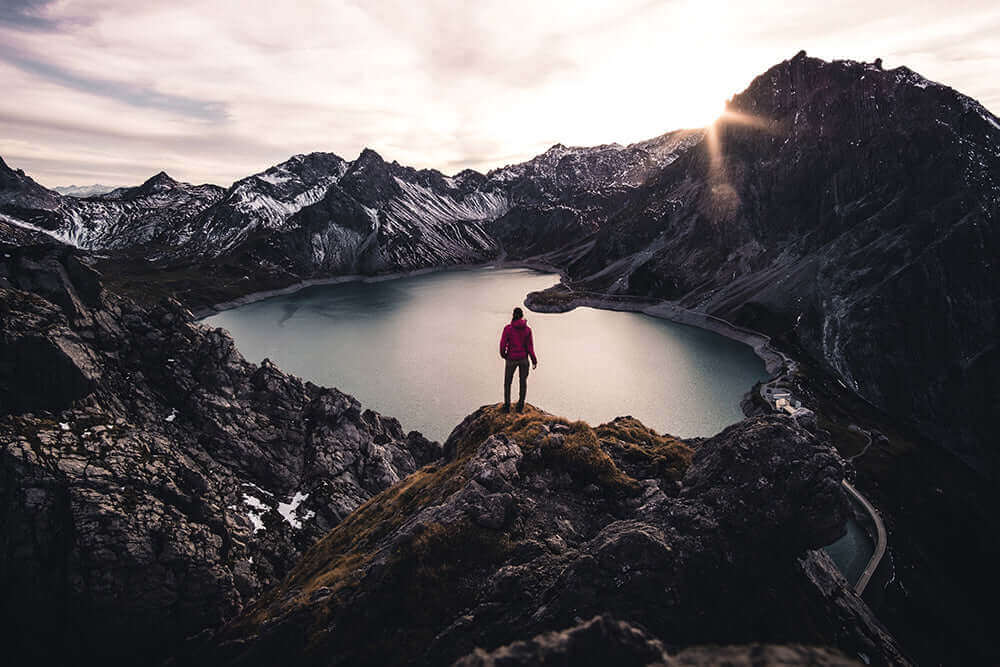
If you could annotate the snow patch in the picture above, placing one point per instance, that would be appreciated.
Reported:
(273, 179)
(289, 510)
(257, 511)
(63, 238)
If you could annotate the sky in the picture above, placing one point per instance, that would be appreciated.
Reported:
(113, 91)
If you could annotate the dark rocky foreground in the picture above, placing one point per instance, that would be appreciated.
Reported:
(138, 452)
(530, 523)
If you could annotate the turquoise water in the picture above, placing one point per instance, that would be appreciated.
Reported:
(424, 349)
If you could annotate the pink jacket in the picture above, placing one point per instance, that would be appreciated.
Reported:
(516, 343)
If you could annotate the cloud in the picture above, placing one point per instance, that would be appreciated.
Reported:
(124, 92)
(212, 91)
(26, 14)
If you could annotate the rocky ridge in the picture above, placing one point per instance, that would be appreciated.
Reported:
(83, 190)
(152, 482)
(530, 522)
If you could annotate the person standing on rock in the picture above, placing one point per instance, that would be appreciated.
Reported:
(516, 347)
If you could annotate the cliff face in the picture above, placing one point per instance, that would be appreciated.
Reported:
(530, 522)
(151, 480)
(851, 212)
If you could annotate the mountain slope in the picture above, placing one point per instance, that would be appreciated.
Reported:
(150, 214)
(26, 208)
(83, 190)
(850, 211)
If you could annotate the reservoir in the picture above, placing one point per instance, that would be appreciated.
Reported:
(425, 349)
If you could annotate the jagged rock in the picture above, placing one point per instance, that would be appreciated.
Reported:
(605, 641)
(152, 482)
(507, 538)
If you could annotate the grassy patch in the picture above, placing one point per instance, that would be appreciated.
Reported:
(667, 456)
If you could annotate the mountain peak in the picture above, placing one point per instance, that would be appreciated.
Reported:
(369, 156)
(161, 177)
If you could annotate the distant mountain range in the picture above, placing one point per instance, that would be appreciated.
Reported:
(845, 208)
(83, 190)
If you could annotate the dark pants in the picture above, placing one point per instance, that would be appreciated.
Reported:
(522, 367)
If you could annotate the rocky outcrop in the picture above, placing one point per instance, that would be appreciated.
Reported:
(152, 482)
(605, 641)
(18, 191)
(531, 523)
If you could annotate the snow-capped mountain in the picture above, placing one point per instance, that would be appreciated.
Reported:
(383, 216)
(261, 202)
(149, 214)
(562, 171)
(319, 212)
(144, 215)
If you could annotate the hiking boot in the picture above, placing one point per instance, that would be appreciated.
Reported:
(520, 407)
(506, 407)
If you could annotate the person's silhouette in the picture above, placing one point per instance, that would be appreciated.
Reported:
(516, 347)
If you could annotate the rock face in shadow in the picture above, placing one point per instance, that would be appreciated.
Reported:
(152, 482)
(605, 641)
(851, 212)
(18, 192)
(531, 523)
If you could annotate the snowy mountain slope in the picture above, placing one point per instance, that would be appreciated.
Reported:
(83, 190)
(381, 216)
(407, 218)
(562, 171)
(263, 201)
(126, 217)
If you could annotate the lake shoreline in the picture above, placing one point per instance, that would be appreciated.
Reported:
(774, 360)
